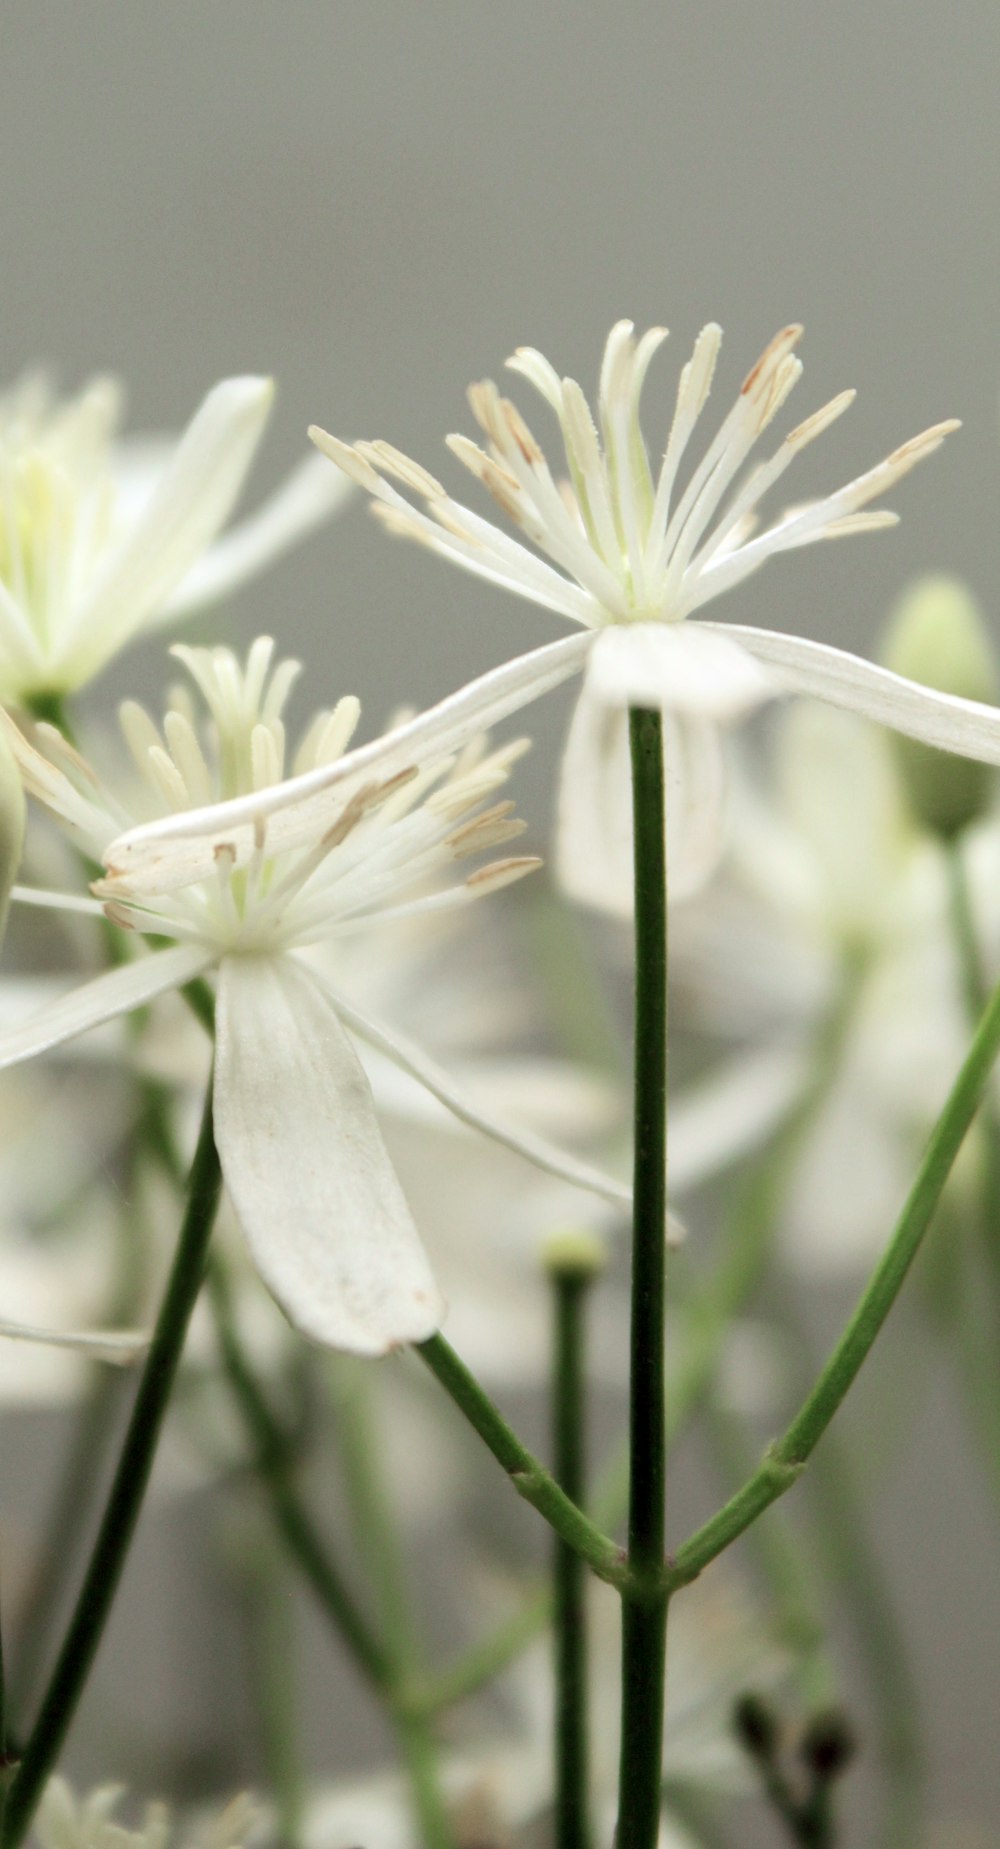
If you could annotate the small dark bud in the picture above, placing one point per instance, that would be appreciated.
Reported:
(828, 1746)
(756, 1725)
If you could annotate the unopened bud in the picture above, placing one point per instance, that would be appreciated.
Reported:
(938, 636)
(574, 1252)
(11, 826)
(828, 1745)
(757, 1726)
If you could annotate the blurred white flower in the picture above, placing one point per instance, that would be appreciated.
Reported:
(632, 559)
(102, 539)
(827, 871)
(64, 1821)
(302, 1155)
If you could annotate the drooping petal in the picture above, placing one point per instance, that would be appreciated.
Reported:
(182, 516)
(120, 1347)
(594, 834)
(115, 992)
(309, 496)
(534, 1149)
(303, 1158)
(163, 855)
(680, 666)
(966, 727)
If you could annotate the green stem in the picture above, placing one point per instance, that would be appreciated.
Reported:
(379, 1543)
(975, 990)
(529, 1477)
(272, 1639)
(644, 1610)
(572, 1829)
(298, 1533)
(787, 1458)
(127, 1491)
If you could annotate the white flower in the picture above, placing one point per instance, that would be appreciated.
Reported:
(302, 1155)
(65, 1821)
(100, 539)
(826, 869)
(632, 557)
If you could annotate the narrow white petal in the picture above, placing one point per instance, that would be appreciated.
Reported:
(310, 495)
(182, 516)
(594, 834)
(967, 727)
(117, 991)
(166, 854)
(306, 1168)
(119, 1346)
(534, 1149)
(679, 666)
(717, 1119)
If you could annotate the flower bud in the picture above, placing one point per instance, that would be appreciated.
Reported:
(938, 636)
(11, 826)
(574, 1252)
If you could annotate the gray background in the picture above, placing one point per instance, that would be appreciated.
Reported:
(377, 202)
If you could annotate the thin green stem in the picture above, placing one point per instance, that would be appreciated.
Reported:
(644, 1610)
(975, 991)
(298, 1533)
(272, 1649)
(572, 1827)
(529, 1477)
(787, 1458)
(127, 1491)
(379, 1543)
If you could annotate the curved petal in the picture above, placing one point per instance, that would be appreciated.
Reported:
(534, 1149)
(681, 667)
(306, 1168)
(115, 992)
(966, 727)
(181, 517)
(163, 855)
(594, 828)
(307, 498)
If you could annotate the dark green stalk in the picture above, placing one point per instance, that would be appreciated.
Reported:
(644, 1608)
(572, 1829)
(786, 1459)
(298, 1533)
(127, 1491)
(529, 1477)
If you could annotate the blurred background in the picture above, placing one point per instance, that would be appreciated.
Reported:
(377, 203)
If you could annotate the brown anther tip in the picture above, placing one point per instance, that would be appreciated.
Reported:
(782, 343)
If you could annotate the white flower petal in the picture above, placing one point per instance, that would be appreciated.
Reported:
(306, 1168)
(534, 1149)
(169, 853)
(115, 992)
(717, 1119)
(183, 514)
(118, 1346)
(680, 666)
(966, 727)
(303, 502)
(594, 838)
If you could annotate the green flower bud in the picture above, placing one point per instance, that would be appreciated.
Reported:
(11, 826)
(574, 1252)
(938, 636)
